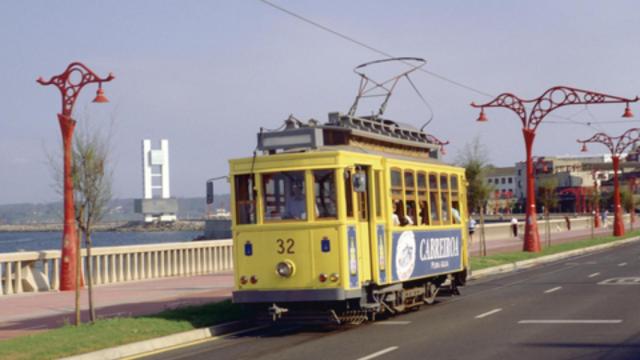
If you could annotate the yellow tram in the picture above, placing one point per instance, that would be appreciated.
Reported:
(352, 218)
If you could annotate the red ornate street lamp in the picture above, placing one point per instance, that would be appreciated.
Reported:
(70, 82)
(617, 145)
(550, 100)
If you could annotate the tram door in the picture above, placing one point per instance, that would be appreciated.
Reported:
(361, 186)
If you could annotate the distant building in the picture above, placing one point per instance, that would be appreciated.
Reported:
(576, 179)
(502, 197)
(156, 205)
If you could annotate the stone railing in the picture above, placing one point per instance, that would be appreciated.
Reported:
(38, 271)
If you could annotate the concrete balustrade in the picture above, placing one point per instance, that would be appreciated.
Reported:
(33, 271)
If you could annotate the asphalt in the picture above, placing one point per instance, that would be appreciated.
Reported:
(561, 310)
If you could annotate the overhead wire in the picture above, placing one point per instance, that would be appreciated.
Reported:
(434, 74)
(369, 47)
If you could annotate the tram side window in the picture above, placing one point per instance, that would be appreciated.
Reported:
(348, 193)
(284, 196)
(410, 197)
(324, 187)
(444, 193)
(422, 199)
(245, 200)
(433, 199)
(398, 214)
(455, 200)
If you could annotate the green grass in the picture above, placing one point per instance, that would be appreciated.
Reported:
(480, 262)
(71, 340)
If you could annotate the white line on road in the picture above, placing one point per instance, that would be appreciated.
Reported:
(392, 323)
(552, 290)
(594, 274)
(569, 321)
(488, 313)
(622, 264)
(381, 352)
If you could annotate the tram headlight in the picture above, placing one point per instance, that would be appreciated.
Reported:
(335, 277)
(243, 280)
(285, 268)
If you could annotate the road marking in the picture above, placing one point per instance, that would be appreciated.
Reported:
(553, 289)
(622, 264)
(381, 352)
(488, 313)
(393, 323)
(569, 321)
(594, 274)
(621, 281)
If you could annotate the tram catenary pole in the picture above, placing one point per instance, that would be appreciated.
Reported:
(550, 100)
(616, 145)
(70, 82)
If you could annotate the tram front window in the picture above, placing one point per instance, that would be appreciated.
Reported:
(284, 196)
(324, 188)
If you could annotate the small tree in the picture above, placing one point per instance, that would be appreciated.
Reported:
(474, 158)
(628, 203)
(92, 186)
(549, 199)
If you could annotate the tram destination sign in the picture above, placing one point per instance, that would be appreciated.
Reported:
(422, 253)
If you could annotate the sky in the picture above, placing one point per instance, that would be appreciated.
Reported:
(206, 75)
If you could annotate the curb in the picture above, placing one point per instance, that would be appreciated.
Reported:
(152, 345)
(524, 264)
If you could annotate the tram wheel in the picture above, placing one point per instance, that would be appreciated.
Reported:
(431, 291)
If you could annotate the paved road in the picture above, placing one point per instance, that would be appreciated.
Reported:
(557, 311)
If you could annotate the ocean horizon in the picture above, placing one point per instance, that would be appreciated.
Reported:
(52, 240)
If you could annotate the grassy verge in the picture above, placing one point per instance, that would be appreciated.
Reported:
(479, 262)
(70, 340)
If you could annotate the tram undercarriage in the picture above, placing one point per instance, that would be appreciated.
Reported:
(376, 301)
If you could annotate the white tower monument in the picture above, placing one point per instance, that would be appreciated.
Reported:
(156, 204)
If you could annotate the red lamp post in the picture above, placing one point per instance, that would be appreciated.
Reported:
(70, 82)
(632, 190)
(596, 203)
(617, 145)
(550, 100)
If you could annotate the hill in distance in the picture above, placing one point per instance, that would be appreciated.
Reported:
(119, 210)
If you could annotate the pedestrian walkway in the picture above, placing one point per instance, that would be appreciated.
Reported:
(35, 312)
(516, 243)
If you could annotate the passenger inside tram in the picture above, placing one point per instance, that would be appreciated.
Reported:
(399, 218)
(296, 204)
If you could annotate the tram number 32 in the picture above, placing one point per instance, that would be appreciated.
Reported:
(285, 246)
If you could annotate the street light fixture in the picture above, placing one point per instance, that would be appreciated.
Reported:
(616, 145)
(70, 82)
(550, 100)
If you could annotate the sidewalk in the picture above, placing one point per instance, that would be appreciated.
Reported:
(36, 312)
(516, 243)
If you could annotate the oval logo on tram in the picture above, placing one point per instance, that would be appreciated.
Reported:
(405, 255)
